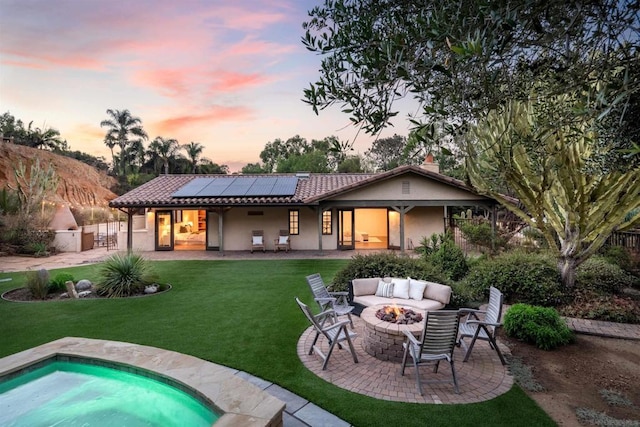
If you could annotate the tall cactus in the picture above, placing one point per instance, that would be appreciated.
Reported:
(575, 207)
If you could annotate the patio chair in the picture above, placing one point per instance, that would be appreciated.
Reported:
(282, 242)
(437, 342)
(336, 301)
(483, 325)
(334, 331)
(257, 240)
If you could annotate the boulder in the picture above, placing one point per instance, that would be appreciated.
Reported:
(83, 285)
(151, 289)
(84, 294)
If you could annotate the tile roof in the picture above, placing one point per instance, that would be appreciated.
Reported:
(158, 192)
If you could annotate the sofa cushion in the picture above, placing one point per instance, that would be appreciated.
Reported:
(367, 286)
(385, 289)
(416, 289)
(425, 304)
(401, 288)
(438, 292)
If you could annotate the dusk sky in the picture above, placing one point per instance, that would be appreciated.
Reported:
(226, 74)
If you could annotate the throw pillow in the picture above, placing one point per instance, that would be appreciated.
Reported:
(257, 240)
(401, 288)
(416, 289)
(384, 289)
(183, 229)
(283, 240)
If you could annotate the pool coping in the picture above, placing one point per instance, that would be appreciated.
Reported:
(238, 401)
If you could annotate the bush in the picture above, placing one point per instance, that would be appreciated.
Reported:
(479, 232)
(441, 251)
(58, 283)
(600, 275)
(617, 255)
(521, 277)
(123, 275)
(37, 283)
(386, 264)
(541, 326)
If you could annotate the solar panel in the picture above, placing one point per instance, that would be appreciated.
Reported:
(238, 186)
(191, 188)
(215, 187)
(262, 187)
(285, 186)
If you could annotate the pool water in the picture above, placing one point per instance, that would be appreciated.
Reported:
(64, 393)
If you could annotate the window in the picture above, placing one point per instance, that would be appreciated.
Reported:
(327, 225)
(294, 221)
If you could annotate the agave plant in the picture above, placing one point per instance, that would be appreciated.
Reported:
(123, 274)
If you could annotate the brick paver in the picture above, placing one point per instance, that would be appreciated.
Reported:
(482, 378)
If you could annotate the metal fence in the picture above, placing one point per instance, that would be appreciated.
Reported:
(517, 237)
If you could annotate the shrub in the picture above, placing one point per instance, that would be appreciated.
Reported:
(441, 251)
(619, 256)
(386, 264)
(58, 283)
(463, 296)
(521, 277)
(123, 275)
(600, 275)
(541, 326)
(37, 282)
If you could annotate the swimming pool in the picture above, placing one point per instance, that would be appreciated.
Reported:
(237, 401)
(73, 393)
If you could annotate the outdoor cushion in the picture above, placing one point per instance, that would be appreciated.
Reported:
(416, 289)
(401, 288)
(385, 289)
(438, 292)
(257, 240)
(425, 304)
(367, 286)
(283, 240)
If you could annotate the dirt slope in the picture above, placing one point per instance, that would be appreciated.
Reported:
(80, 184)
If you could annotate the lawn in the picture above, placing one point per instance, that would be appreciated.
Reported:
(241, 314)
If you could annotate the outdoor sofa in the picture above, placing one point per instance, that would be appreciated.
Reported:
(417, 294)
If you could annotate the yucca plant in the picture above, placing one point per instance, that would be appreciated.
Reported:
(123, 275)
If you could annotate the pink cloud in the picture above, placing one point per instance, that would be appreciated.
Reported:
(216, 114)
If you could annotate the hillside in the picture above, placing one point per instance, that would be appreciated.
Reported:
(80, 184)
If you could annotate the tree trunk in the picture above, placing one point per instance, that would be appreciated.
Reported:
(567, 267)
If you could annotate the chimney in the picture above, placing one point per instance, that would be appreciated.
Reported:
(429, 164)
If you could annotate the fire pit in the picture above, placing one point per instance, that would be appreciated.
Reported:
(395, 314)
(383, 339)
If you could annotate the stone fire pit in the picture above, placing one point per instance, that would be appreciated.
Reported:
(383, 340)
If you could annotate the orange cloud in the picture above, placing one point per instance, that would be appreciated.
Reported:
(216, 114)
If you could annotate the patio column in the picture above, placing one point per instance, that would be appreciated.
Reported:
(129, 230)
(319, 210)
(220, 228)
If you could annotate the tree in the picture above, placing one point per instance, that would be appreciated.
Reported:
(252, 169)
(314, 161)
(208, 167)
(122, 126)
(44, 138)
(278, 150)
(388, 153)
(459, 58)
(165, 148)
(351, 164)
(553, 168)
(194, 150)
(111, 142)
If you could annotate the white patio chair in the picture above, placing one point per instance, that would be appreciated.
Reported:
(336, 301)
(334, 331)
(483, 324)
(437, 342)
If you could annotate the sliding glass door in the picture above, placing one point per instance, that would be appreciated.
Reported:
(346, 236)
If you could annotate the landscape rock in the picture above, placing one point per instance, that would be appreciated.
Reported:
(83, 285)
(84, 294)
(151, 289)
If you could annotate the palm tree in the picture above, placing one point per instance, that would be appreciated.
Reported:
(110, 142)
(121, 126)
(166, 149)
(194, 150)
(47, 138)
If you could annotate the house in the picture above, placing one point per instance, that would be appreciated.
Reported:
(393, 209)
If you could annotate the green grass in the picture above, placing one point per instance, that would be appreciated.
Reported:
(241, 314)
